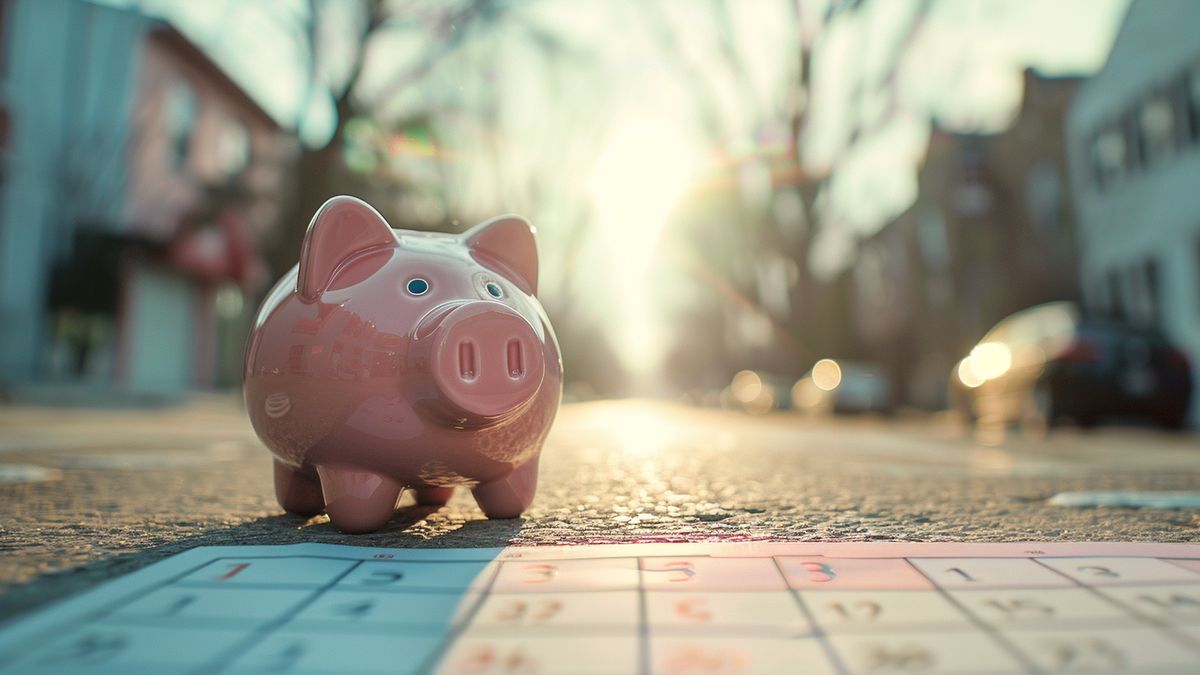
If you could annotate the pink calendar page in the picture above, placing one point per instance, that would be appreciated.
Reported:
(653, 608)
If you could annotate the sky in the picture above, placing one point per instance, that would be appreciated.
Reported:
(641, 101)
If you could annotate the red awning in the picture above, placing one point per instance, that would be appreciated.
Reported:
(219, 252)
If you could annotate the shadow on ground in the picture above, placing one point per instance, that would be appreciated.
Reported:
(266, 531)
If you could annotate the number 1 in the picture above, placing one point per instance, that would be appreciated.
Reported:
(234, 569)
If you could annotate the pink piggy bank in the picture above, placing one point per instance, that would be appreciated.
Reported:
(391, 359)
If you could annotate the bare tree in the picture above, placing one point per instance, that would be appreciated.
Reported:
(321, 172)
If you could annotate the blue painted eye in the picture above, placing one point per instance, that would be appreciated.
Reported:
(418, 286)
(494, 289)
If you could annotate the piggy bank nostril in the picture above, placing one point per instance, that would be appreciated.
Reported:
(516, 359)
(467, 368)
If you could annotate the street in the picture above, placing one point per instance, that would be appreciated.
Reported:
(91, 494)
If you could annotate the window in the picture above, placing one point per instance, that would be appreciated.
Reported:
(1043, 198)
(4, 36)
(1155, 127)
(931, 239)
(179, 118)
(1192, 91)
(1143, 283)
(1095, 294)
(1108, 156)
(1116, 304)
(1151, 284)
(233, 149)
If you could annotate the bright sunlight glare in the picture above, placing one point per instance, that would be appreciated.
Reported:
(637, 430)
(644, 170)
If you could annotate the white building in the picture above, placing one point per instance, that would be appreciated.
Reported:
(1133, 136)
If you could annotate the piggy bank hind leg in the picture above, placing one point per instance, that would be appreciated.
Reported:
(508, 497)
(358, 501)
(298, 490)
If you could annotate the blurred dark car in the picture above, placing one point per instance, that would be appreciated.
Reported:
(1050, 362)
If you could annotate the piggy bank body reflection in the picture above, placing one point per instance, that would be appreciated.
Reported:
(389, 360)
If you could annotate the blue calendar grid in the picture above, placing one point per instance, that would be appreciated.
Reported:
(315, 608)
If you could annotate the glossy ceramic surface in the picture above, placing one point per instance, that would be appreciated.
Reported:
(390, 359)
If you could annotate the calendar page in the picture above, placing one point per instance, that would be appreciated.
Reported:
(652, 608)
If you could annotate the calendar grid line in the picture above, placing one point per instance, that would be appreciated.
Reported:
(1096, 592)
(643, 621)
(53, 631)
(265, 586)
(221, 661)
(817, 632)
(457, 629)
(1190, 641)
(1176, 562)
(989, 630)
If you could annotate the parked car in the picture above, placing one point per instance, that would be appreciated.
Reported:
(843, 387)
(1050, 362)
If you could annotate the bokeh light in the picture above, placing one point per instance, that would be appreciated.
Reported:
(746, 386)
(827, 374)
(967, 375)
(989, 360)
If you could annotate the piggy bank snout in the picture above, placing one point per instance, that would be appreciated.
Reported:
(488, 360)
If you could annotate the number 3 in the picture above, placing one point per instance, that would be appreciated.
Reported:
(1099, 571)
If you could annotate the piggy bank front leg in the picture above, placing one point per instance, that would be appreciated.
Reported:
(298, 490)
(357, 500)
(508, 497)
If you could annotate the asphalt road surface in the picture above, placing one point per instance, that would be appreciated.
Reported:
(90, 494)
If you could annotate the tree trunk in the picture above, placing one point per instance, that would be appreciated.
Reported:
(320, 173)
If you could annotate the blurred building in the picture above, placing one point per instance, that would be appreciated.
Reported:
(1134, 139)
(991, 232)
(138, 184)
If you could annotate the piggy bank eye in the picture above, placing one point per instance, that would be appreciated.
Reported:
(417, 286)
(494, 289)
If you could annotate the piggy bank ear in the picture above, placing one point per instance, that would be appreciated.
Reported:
(506, 245)
(342, 227)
